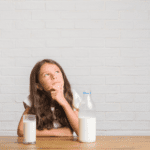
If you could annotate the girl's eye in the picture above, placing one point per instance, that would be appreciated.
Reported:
(57, 71)
(46, 74)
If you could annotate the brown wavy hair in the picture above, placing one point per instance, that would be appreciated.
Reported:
(41, 100)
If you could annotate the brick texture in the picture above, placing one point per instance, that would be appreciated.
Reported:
(103, 45)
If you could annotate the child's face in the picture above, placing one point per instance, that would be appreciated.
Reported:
(49, 75)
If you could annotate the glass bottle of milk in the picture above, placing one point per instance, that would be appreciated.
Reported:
(87, 118)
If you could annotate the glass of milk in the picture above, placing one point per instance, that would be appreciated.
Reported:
(29, 129)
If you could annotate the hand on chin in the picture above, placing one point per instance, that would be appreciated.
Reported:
(57, 93)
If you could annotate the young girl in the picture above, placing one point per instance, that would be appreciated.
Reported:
(51, 99)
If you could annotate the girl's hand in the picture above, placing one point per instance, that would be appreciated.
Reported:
(57, 94)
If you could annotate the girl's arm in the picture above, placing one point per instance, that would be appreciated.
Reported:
(72, 116)
(54, 132)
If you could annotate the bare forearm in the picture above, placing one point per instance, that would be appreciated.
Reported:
(54, 132)
(62, 132)
(73, 119)
(44, 132)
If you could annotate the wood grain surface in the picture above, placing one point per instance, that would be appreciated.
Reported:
(69, 142)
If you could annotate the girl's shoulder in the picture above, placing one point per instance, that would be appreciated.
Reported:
(76, 99)
(76, 94)
(26, 102)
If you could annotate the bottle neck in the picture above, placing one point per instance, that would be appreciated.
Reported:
(86, 97)
(87, 100)
(87, 107)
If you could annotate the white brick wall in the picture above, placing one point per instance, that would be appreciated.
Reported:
(103, 45)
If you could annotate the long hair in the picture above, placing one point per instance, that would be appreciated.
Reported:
(41, 101)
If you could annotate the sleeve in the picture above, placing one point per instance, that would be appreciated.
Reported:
(76, 100)
(27, 103)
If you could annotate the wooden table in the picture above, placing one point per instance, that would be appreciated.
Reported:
(53, 143)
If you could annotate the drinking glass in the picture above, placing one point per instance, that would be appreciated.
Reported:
(29, 129)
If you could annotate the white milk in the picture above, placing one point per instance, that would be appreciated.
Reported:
(29, 131)
(87, 129)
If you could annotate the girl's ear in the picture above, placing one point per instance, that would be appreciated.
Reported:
(39, 87)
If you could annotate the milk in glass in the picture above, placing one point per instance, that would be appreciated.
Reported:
(29, 129)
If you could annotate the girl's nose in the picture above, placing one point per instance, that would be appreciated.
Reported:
(54, 77)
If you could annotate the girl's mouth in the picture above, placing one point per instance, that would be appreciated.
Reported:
(52, 90)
